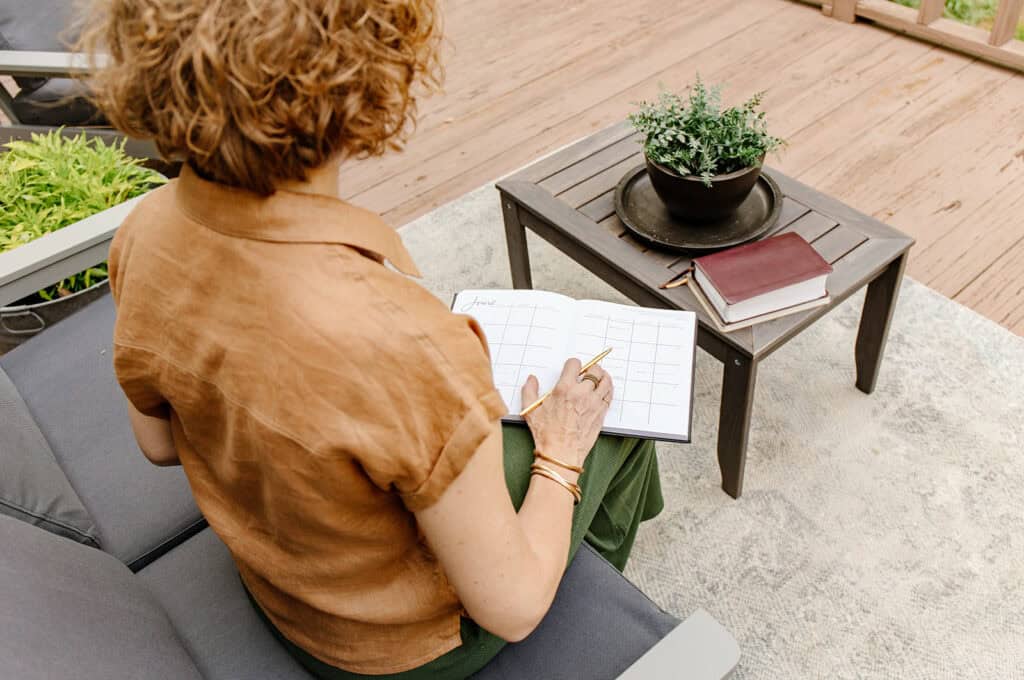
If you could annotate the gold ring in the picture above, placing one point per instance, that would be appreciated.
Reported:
(592, 378)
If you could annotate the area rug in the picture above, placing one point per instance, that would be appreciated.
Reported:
(878, 536)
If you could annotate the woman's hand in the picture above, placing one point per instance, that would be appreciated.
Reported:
(566, 425)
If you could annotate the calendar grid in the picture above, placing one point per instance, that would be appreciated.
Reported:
(519, 371)
(620, 399)
(509, 352)
(629, 353)
(649, 362)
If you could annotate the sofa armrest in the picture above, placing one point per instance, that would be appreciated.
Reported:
(30, 64)
(700, 645)
(60, 254)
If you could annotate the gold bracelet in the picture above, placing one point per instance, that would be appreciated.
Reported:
(556, 478)
(548, 473)
(551, 459)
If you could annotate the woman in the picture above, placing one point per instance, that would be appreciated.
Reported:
(338, 425)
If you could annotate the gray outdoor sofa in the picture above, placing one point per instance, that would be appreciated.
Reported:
(107, 568)
(121, 578)
(33, 34)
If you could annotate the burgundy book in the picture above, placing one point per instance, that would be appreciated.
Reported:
(762, 277)
(756, 268)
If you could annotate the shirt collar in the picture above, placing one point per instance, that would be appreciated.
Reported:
(289, 217)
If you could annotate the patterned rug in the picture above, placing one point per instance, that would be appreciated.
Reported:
(878, 536)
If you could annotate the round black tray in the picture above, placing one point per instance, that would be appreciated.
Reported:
(646, 217)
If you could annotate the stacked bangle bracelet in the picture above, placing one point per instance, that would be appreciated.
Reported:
(549, 473)
(551, 459)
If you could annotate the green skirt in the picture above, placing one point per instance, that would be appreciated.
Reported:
(620, 489)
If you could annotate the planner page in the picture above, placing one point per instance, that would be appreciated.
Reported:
(527, 332)
(651, 364)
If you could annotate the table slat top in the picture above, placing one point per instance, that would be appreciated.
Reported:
(573, 190)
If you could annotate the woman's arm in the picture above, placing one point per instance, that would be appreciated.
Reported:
(506, 567)
(154, 436)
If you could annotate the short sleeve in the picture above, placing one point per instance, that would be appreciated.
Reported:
(114, 257)
(133, 367)
(461, 343)
(467, 437)
(439, 403)
(135, 371)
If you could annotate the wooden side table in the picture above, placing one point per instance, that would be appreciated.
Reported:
(568, 199)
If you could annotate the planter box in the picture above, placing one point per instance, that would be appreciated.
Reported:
(21, 322)
(78, 246)
(60, 254)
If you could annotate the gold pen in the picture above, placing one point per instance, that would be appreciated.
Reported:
(583, 369)
(676, 281)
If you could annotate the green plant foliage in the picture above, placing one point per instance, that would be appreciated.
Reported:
(696, 136)
(53, 181)
(971, 12)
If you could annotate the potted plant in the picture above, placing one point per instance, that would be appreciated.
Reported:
(48, 183)
(703, 160)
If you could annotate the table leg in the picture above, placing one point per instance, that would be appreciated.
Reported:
(515, 239)
(874, 323)
(738, 378)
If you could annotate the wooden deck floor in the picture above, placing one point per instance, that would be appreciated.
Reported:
(927, 140)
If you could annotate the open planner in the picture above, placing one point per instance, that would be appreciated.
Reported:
(651, 363)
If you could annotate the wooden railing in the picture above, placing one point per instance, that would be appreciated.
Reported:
(927, 23)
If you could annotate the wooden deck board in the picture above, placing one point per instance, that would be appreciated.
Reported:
(923, 138)
(928, 140)
(884, 103)
(503, 123)
(998, 292)
(958, 257)
(716, 62)
(509, 100)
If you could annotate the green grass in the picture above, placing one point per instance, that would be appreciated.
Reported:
(981, 13)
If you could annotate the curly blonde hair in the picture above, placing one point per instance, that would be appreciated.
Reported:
(255, 92)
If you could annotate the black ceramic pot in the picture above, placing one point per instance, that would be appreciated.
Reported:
(688, 199)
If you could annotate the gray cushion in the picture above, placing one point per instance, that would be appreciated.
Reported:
(33, 488)
(38, 25)
(66, 377)
(198, 585)
(57, 101)
(598, 625)
(75, 612)
(41, 25)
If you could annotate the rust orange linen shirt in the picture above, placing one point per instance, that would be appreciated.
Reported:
(316, 397)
